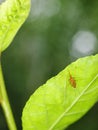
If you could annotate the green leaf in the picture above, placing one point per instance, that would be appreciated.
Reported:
(12, 15)
(64, 98)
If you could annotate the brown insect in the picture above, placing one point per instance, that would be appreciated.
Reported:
(72, 81)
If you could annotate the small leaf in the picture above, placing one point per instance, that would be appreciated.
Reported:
(12, 15)
(64, 98)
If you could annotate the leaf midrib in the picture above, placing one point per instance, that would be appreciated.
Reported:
(75, 101)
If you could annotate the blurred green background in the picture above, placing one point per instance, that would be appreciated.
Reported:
(56, 33)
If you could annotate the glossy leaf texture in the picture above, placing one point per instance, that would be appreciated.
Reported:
(63, 99)
(13, 13)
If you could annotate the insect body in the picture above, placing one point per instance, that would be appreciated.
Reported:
(72, 81)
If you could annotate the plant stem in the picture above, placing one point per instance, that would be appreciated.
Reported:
(5, 103)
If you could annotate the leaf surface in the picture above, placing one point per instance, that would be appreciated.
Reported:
(13, 13)
(63, 99)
